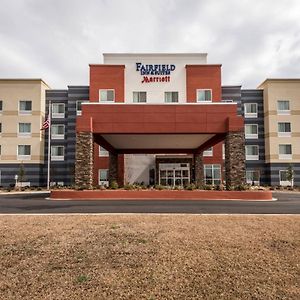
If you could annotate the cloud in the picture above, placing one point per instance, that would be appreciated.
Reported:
(57, 39)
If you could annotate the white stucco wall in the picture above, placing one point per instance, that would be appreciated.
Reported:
(155, 90)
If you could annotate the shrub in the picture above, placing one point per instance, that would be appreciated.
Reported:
(113, 185)
(191, 187)
(207, 187)
(159, 187)
(241, 187)
(129, 186)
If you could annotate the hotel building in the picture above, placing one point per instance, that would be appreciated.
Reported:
(153, 119)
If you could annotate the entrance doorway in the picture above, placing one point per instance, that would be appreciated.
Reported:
(174, 174)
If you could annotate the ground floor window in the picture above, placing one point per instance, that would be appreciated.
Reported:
(253, 177)
(212, 174)
(103, 177)
(283, 178)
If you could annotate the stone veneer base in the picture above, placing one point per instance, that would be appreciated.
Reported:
(159, 195)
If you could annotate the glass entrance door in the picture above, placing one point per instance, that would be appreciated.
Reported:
(174, 174)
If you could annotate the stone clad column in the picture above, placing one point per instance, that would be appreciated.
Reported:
(84, 160)
(199, 174)
(113, 168)
(235, 170)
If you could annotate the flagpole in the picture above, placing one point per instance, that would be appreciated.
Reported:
(49, 146)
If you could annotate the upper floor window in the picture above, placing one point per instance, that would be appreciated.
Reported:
(78, 107)
(171, 97)
(58, 110)
(285, 151)
(1, 106)
(103, 152)
(139, 97)
(251, 131)
(57, 153)
(57, 132)
(24, 129)
(204, 95)
(252, 152)
(250, 110)
(284, 129)
(208, 152)
(25, 107)
(283, 107)
(107, 95)
(24, 152)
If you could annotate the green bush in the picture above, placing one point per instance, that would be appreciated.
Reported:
(159, 187)
(191, 187)
(113, 185)
(207, 187)
(129, 186)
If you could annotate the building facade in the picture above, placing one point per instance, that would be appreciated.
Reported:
(153, 119)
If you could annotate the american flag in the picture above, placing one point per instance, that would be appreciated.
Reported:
(46, 124)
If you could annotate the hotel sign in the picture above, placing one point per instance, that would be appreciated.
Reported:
(155, 73)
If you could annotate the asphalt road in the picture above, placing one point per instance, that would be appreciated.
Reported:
(287, 203)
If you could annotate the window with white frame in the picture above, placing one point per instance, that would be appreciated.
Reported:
(208, 152)
(79, 107)
(252, 152)
(285, 151)
(107, 95)
(284, 129)
(204, 95)
(139, 97)
(283, 178)
(223, 150)
(24, 129)
(253, 177)
(103, 152)
(171, 97)
(58, 110)
(1, 106)
(251, 131)
(57, 131)
(283, 107)
(103, 176)
(25, 107)
(24, 152)
(0, 128)
(57, 153)
(0, 150)
(212, 174)
(250, 110)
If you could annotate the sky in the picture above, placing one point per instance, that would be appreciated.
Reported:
(56, 39)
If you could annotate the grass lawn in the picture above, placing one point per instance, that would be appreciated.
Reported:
(150, 257)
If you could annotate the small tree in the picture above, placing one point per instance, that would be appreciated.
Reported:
(290, 174)
(21, 172)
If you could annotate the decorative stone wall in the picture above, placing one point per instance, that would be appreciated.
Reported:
(84, 160)
(235, 170)
(199, 175)
(113, 168)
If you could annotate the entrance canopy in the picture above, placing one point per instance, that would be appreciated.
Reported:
(159, 128)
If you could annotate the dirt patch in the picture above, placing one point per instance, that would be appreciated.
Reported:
(149, 257)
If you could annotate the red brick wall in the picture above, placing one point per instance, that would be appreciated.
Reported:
(203, 77)
(107, 77)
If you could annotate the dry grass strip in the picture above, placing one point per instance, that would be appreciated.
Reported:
(150, 257)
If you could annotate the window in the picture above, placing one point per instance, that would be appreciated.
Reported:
(103, 176)
(25, 107)
(57, 132)
(223, 151)
(212, 174)
(204, 95)
(251, 131)
(24, 152)
(250, 110)
(208, 152)
(1, 106)
(171, 97)
(285, 151)
(0, 128)
(58, 110)
(253, 177)
(283, 178)
(78, 107)
(284, 129)
(57, 153)
(107, 95)
(283, 107)
(139, 97)
(103, 152)
(252, 152)
(0, 150)
(24, 130)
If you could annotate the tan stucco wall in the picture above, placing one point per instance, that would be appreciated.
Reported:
(275, 90)
(11, 92)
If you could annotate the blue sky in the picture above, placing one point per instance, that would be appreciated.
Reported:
(57, 39)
